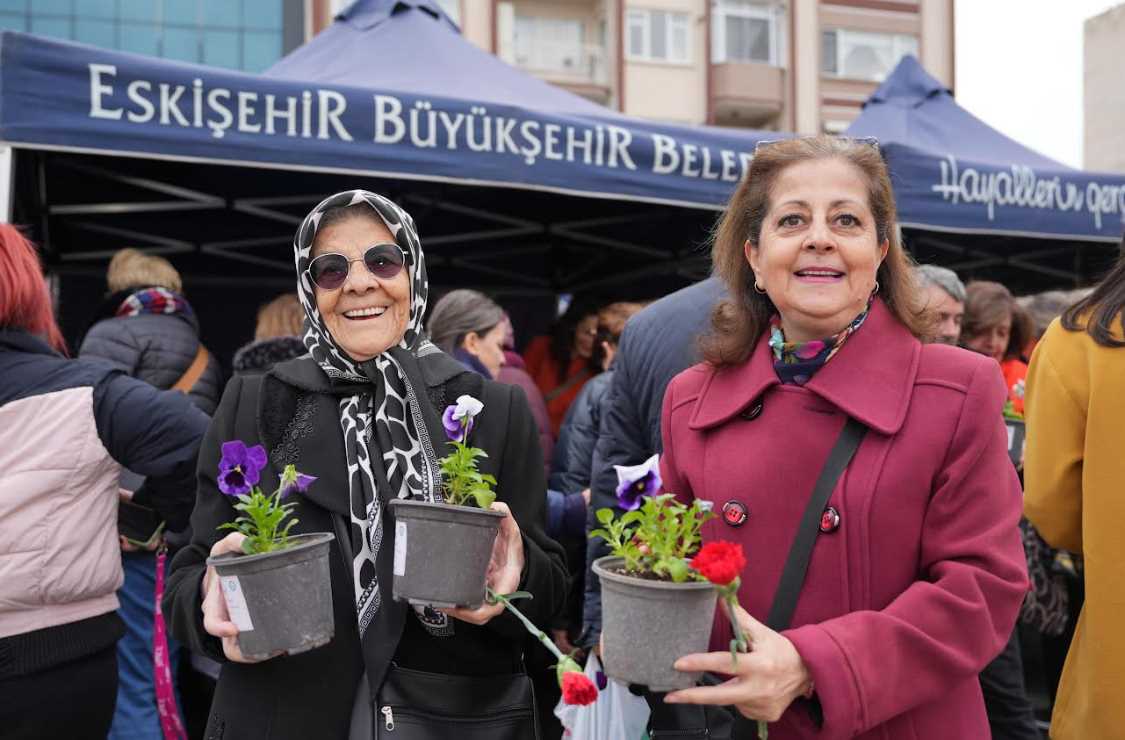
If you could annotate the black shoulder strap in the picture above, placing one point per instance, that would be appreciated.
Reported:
(797, 563)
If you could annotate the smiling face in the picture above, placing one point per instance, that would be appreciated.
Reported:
(818, 252)
(366, 316)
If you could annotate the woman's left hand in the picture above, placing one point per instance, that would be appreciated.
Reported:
(765, 681)
(504, 570)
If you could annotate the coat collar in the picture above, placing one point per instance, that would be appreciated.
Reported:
(437, 369)
(308, 428)
(17, 340)
(870, 379)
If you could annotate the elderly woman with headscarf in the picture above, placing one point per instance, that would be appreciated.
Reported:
(362, 413)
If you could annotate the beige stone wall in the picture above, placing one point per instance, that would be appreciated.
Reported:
(665, 91)
(476, 22)
(1104, 140)
(935, 46)
(809, 102)
(806, 65)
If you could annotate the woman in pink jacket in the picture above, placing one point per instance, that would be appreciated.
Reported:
(916, 571)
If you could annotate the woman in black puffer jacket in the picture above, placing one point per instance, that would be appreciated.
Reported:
(147, 329)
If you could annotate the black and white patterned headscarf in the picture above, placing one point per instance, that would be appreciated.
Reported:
(389, 420)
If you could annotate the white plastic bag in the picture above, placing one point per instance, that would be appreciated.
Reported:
(616, 715)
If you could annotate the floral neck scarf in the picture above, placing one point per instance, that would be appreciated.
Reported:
(796, 362)
(154, 301)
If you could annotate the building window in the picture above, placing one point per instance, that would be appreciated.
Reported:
(861, 55)
(240, 34)
(658, 36)
(747, 31)
(549, 44)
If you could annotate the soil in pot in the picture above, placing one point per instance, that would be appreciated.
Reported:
(281, 601)
(442, 552)
(648, 624)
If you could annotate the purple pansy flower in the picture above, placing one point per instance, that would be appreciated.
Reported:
(240, 468)
(292, 481)
(453, 428)
(458, 419)
(635, 482)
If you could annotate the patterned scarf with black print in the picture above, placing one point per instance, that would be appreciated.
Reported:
(385, 434)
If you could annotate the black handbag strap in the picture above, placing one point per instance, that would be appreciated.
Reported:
(797, 563)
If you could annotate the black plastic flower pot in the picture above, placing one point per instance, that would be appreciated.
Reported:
(648, 624)
(281, 601)
(442, 552)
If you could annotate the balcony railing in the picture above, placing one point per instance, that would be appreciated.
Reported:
(563, 62)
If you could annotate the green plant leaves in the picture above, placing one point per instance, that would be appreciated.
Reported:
(657, 538)
(462, 483)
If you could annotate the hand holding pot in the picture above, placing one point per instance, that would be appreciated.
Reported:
(216, 620)
(504, 570)
(765, 681)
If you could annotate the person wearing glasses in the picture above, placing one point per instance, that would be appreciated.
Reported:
(915, 571)
(362, 412)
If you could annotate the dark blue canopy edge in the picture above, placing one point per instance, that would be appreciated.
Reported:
(66, 96)
(954, 173)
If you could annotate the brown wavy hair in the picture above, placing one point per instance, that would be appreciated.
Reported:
(738, 323)
(987, 304)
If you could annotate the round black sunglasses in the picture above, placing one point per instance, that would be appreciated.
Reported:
(384, 261)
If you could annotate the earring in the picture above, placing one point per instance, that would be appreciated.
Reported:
(759, 289)
(876, 288)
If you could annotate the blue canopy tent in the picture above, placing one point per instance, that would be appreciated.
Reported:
(977, 200)
(518, 188)
(518, 185)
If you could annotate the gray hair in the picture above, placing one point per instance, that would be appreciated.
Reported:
(459, 313)
(943, 278)
(1046, 307)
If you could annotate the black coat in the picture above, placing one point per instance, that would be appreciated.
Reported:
(574, 450)
(293, 412)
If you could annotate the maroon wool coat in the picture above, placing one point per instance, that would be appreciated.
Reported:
(919, 587)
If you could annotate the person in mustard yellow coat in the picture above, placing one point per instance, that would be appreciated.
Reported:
(1074, 471)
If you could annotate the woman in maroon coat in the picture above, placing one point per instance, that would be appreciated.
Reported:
(917, 574)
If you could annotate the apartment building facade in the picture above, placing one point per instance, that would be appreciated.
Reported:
(1104, 95)
(792, 65)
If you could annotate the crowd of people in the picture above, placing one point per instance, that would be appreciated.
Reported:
(965, 557)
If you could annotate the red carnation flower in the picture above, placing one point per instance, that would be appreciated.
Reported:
(578, 689)
(720, 562)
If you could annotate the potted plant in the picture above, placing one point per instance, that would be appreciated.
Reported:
(442, 550)
(655, 606)
(277, 590)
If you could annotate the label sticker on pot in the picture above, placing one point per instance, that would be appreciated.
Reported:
(236, 603)
(400, 548)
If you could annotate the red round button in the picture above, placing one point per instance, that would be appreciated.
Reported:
(829, 520)
(735, 513)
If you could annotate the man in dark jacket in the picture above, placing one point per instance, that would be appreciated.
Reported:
(657, 344)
